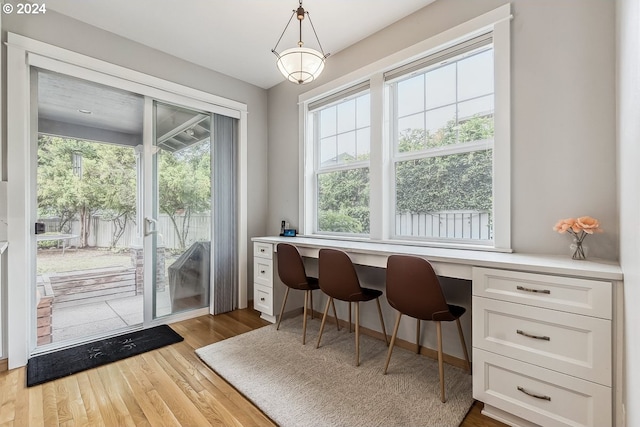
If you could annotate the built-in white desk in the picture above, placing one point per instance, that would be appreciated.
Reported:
(456, 263)
(546, 330)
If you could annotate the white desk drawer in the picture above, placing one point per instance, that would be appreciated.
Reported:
(263, 271)
(263, 250)
(263, 299)
(569, 343)
(580, 296)
(562, 400)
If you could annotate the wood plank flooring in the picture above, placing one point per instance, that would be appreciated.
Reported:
(165, 387)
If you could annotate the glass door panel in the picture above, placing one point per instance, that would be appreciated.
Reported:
(86, 178)
(181, 209)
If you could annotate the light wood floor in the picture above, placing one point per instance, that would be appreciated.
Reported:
(169, 386)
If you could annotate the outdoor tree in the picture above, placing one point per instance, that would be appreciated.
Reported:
(185, 186)
(79, 179)
(461, 181)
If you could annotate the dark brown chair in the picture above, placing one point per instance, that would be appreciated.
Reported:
(339, 280)
(414, 289)
(292, 273)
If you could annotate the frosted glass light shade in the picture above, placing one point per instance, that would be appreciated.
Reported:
(300, 64)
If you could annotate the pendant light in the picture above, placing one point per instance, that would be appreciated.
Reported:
(300, 64)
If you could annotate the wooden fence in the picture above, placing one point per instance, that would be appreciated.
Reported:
(101, 232)
(472, 225)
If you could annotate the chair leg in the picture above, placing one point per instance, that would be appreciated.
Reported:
(464, 345)
(311, 302)
(357, 333)
(304, 317)
(440, 365)
(384, 330)
(417, 336)
(335, 314)
(284, 301)
(324, 319)
(349, 316)
(393, 341)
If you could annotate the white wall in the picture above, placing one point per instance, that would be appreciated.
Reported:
(628, 123)
(563, 123)
(62, 31)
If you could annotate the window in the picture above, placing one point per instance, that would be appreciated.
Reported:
(341, 132)
(442, 132)
(419, 152)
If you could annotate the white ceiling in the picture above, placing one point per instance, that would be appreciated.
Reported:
(235, 37)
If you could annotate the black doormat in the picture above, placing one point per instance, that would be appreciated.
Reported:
(51, 366)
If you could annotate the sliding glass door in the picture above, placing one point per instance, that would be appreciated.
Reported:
(125, 210)
(179, 225)
(140, 156)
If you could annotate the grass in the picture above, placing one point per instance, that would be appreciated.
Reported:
(52, 260)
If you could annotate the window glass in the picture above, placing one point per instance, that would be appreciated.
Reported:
(342, 172)
(445, 190)
(328, 120)
(441, 86)
(343, 201)
(410, 99)
(445, 196)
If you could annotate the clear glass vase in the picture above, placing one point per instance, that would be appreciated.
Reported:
(578, 249)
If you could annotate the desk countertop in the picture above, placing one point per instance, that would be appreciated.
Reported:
(460, 259)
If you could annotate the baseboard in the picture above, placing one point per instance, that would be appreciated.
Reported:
(4, 365)
(428, 352)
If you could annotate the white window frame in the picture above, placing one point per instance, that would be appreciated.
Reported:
(497, 22)
(458, 148)
(318, 170)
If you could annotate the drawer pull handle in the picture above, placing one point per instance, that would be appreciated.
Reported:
(537, 291)
(261, 299)
(262, 250)
(538, 337)
(262, 271)
(537, 396)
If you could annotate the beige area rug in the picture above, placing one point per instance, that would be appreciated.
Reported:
(298, 385)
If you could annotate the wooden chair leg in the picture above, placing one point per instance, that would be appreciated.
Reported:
(440, 365)
(393, 341)
(464, 345)
(349, 317)
(357, 333)
(284, 301)
(417, 336)
(335, 314)
(384, 330)
(311, 302)
(324, 319)
(304, 317)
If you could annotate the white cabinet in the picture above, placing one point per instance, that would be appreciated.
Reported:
(268, 290)
(542, 348)
(263, 279)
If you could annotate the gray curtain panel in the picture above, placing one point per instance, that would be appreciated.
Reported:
(225, 213)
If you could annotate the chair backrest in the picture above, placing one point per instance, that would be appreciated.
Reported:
(337, 275)
(290, 266)
(413, 288)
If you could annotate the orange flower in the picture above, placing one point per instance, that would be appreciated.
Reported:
(588, 224)
(564, 224)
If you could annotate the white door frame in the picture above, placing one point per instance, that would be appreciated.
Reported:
(22, 54)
